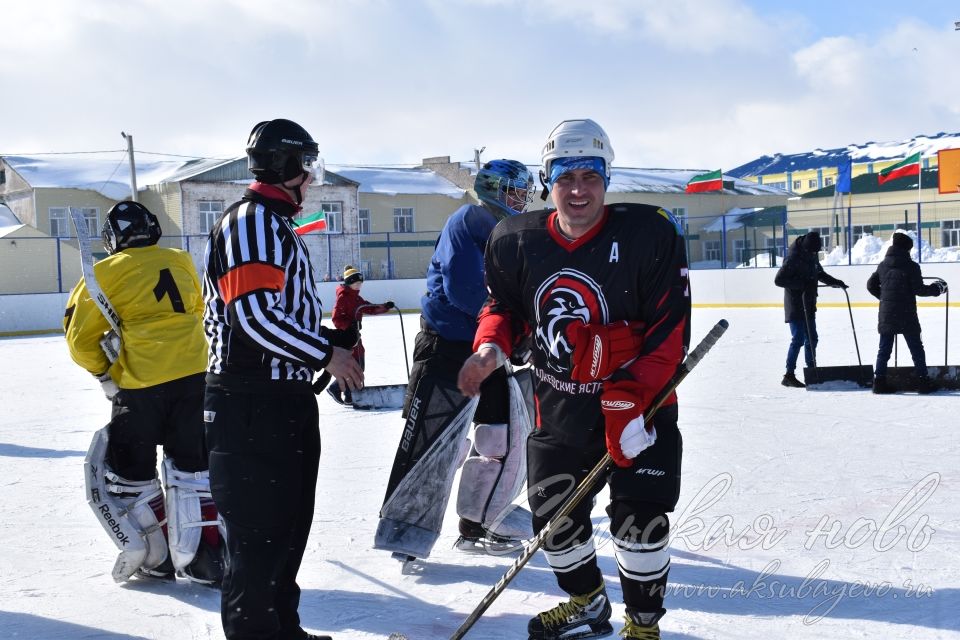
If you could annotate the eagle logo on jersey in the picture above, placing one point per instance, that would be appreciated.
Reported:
(566, 297)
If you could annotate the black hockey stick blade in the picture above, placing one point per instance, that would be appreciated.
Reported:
(533, 545)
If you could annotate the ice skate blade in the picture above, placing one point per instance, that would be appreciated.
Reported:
(598, 630)
(483, 546)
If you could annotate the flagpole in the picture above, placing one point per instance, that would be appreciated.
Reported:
(919, 222)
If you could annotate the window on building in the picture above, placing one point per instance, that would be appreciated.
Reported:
(333, 212)
(403, 219)
(741, 251)
(774, 243)
(210, 211)
(92, 216)
(797, 184)
(827, 182)
(812, 183)
(778, 185)
(60, 221)
(950, 233)
(363, 222)
(387, 269)
(711, 250)
(3, 176)
(860, 230)
(366, 269)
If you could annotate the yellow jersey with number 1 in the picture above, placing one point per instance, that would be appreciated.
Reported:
(156, 293)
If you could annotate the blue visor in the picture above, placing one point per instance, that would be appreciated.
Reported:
(561, 165)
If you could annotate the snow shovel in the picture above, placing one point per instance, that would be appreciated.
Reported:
(862, 374)
(945, 377)
(384, 397)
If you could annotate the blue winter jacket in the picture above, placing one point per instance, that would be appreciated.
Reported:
(455, 286)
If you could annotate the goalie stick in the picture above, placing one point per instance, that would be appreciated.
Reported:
(109, 344)
(692, 359)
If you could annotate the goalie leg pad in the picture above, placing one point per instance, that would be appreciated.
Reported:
(190, 512)
(489, 484)
(123, 508)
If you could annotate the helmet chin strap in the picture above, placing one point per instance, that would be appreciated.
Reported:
(297, 195)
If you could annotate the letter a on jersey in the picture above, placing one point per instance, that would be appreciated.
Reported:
(615, 252)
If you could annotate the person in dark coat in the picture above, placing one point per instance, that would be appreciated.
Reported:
(799, 275)
(896, 283)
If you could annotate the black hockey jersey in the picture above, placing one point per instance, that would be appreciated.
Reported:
(630, 266)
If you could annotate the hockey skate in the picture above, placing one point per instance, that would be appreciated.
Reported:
(566, 620)
(409, 565)
(474, 538)
(642, 626)
(163, 572)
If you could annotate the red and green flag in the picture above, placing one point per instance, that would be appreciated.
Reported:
(712, 181)
(909, 166)
(313, 222)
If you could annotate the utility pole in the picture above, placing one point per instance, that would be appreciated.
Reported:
(476, 156)
(133, 166)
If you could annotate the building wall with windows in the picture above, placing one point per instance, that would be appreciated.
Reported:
(878, 213)
(400, 231)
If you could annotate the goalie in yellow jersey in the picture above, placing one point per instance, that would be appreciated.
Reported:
(153, 373)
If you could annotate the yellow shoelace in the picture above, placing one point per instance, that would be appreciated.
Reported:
(559, 614)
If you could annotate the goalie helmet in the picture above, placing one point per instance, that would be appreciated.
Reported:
(280, 150)
(506, 186)
(129, 224)
(576, 139)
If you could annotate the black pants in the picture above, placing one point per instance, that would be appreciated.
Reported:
(437, 356)
(640, 497)
(264, 457)
(168, 415)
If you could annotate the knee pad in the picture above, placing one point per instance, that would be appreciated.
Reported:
(131, 512)
(490, 440)
(191, 513)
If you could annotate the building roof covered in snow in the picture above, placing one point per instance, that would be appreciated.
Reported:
(858, 153)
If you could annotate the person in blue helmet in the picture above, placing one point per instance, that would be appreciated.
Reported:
(493, 468)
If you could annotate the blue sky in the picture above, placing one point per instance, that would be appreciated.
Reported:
(680, 84)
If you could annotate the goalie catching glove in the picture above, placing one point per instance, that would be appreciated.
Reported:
(599, 349)
(626, 433)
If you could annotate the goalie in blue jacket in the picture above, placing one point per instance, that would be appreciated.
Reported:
(434, 442)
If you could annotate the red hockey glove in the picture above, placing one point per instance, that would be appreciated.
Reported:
(623, 420)
(599, 349)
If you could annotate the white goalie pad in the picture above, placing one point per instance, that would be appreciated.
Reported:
(492, 479)
(122, 508)
(184, 491)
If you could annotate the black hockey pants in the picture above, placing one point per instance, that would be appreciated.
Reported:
(169, 415)
(264, 457)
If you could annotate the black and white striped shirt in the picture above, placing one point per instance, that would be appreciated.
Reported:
(262, 310)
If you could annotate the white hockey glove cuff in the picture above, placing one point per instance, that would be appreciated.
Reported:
(109, 387)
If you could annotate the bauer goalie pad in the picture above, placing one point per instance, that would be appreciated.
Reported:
(123, 509)
(185, 492)
(431, 449)
(496, 472)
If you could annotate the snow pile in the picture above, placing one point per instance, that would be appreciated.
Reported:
(870, 249)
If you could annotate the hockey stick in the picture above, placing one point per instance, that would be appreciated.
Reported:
(110, 348)
(530, 548)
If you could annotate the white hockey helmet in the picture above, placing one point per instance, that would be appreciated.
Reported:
(573, 138)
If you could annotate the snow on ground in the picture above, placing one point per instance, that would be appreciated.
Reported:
(804, 514)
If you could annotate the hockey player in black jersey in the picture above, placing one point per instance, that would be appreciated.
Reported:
(603, 290)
